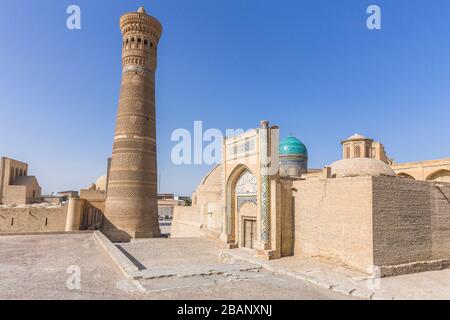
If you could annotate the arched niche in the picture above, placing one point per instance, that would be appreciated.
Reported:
(440, 176)
(406, 176)
(241, 194)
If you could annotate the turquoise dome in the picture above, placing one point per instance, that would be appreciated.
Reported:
(292, 146)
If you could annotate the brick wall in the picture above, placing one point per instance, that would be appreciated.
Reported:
(411, 221)
(186, 223)
(333, 219)
(33, 220)
(15, 195)
(398, 224)
(287, 219)
(441, 220)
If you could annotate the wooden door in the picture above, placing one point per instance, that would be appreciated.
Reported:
(249, 233)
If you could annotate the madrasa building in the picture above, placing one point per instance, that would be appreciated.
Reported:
(362, 211)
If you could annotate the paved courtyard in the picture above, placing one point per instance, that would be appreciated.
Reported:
(191, 269)
(39, 267)
(35, 267)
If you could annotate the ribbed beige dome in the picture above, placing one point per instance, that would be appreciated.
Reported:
(358, 167)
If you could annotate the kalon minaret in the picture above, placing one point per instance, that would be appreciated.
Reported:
(131, 209)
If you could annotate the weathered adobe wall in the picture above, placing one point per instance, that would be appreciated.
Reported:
(411, 223)
(37, 193)
(287, 203)
(186, 223)
(397, 224)
(204, 217)
(333, 219)
(441, 220)
(15, 195)
(33, 220)
(96, 198)
(209, 206)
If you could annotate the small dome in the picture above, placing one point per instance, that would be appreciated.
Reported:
(358, 167)
(292, 146)
(141, 9)
(101, 183)
(357, 137)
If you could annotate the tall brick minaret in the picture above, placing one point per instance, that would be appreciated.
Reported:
(131, 209)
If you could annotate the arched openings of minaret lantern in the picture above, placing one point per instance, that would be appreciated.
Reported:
(138, 43)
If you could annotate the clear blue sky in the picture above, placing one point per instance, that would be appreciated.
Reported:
(310, 66)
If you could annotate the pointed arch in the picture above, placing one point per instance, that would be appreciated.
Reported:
(246, 184)
(231, 219)
(405, 175)
(442, 175)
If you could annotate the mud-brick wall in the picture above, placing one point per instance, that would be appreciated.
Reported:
(411, 221)
(441, 220)
(333, 219)
(186, 223)
(397, 224)
(33, 220)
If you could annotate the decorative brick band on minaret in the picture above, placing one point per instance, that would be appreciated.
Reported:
(131, 209)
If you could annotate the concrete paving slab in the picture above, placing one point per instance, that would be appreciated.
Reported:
(191, 269)
(37, 266)
(434, 285)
